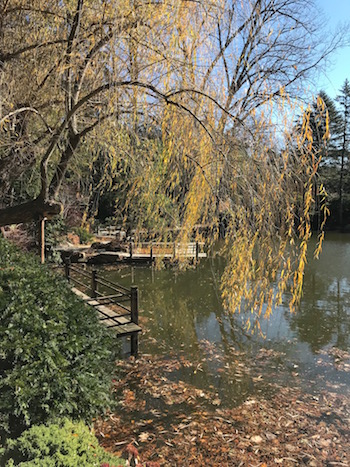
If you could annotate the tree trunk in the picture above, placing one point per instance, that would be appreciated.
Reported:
(30, 211)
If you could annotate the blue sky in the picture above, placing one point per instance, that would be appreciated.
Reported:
(335, 12)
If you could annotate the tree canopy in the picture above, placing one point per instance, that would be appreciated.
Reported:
(183, 99)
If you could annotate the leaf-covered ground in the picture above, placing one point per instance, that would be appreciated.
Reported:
(174, 423)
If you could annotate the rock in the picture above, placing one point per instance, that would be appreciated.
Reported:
(98, 245)
(103, 258)
(72, 256)
(116, 245)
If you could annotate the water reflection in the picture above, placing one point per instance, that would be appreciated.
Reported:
(184, 316)
(323, 318)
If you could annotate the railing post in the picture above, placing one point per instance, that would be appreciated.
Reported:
(197, 251)
(66, 269)
(130, 249)
(42, 238)
(174, 252)
(94, 283)
(134, 299)
(151, 251)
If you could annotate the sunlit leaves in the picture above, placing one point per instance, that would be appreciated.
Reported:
(184, 110)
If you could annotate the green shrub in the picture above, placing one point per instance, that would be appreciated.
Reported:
(55, 230)
(66, 444)
(84, 235)
(55, 356)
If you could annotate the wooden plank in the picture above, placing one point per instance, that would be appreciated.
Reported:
(128, 329)
(110, 318)
(80, 294)
(124, 329)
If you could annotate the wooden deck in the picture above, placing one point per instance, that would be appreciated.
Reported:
(141, 253)
(111, 317)
(110, 300)
(165, 250)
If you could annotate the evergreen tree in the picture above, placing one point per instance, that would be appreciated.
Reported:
(335, 125)
(344, 102)
(329, 163)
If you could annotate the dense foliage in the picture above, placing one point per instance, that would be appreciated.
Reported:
(65, 444)
(55, 357)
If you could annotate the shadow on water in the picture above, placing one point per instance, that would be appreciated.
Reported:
(184, 318)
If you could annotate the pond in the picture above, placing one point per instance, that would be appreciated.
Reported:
(183, 319)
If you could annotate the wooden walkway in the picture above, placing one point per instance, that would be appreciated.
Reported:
(165, 250)
(142, 253)
(110, 301)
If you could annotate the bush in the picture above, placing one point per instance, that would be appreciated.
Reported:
(84, 235)
(55, 356)
(66, 444)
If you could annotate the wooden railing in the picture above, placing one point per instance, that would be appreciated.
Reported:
(105, 292)
(166, 249)
(109, 231)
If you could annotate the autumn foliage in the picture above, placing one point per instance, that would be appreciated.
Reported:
(186, 108)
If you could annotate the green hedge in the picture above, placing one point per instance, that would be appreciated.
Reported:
(55, 357)
(66, 444)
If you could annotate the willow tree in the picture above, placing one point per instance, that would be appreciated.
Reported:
(184, 94)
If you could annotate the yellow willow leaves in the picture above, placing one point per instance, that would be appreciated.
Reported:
(271, 236)
(176, 157)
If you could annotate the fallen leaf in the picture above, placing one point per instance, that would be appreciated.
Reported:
(143, 437)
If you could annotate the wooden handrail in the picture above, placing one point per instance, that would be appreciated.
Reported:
(124, 294)
(79, 271)
(115, 287)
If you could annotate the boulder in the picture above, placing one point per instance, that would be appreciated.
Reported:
(72, 256)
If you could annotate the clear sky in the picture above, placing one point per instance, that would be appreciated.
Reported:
(334, 13)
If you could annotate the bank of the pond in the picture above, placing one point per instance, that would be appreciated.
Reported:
(176, 424)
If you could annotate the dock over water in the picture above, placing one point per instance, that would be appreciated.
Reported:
(117, 306)
(134, 252)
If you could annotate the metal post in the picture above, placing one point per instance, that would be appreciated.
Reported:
(66, 269)
(197, 251)
(174, 252)
(94, 283)
(130, 249)
(134, 299)
(151, 252)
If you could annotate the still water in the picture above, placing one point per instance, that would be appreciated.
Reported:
(183, 318)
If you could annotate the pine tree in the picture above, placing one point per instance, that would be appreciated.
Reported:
(335, 126)
(344, 102)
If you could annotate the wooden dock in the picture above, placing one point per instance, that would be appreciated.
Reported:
(117, 306)
(136, 253)
(165, 250)
(148, 252)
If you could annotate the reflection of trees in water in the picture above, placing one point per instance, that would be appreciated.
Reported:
(186, 306)
(183, 311)
(323, 317)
